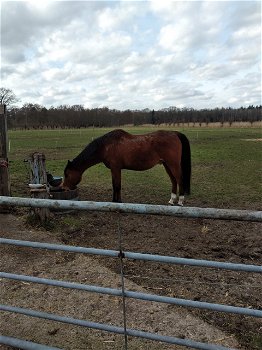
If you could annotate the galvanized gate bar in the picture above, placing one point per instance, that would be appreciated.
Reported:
(62, 247)
(114, 329)
(24, 344)
(149, 209)
(136, 295)
(194, 262)
(136, 256)
(185, 212)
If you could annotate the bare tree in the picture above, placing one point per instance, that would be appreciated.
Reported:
(7, 96)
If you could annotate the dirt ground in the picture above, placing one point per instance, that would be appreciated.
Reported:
(237, 242)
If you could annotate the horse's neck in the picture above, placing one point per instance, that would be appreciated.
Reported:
(86, 159)
(83, 165)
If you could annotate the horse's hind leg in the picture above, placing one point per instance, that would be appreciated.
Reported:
(181, 192)
(175, 175)
(181, 196)
(174, 185)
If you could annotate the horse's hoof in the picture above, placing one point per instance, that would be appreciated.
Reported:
(171, 203)
(180, 204)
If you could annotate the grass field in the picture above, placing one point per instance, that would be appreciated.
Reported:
(226, 173)
(226, 166)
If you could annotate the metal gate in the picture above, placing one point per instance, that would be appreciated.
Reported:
(209, 213)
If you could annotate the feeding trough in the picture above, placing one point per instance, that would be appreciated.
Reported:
(56, 192)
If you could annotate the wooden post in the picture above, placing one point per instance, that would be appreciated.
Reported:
(5, 189)
(37, 168)
(38, 182)
(41, 214)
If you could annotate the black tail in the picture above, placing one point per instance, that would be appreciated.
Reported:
(185, 162)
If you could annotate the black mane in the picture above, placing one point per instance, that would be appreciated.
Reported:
(91, 152)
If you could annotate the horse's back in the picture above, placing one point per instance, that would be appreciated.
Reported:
(165, 138)
(117, 134)
(154, 141)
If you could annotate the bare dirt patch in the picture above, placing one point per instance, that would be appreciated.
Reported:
(237, 242)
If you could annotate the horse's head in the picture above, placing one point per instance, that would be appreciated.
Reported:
(72, 177)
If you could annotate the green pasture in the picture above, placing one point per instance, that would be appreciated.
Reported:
(226, 166)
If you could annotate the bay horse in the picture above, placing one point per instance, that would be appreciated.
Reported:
(120, 150)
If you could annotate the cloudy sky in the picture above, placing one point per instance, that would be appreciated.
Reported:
(132, 54)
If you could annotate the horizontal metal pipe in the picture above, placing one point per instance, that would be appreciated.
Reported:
(136, 256)
(24, 344)
(114, 329)
(136, 295)
(186, 212)
(193, 262)
(61, 247)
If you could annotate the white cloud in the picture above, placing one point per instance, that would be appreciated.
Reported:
(113, 18)
(132, 54)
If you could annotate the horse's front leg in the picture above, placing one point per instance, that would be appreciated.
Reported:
(116, 182)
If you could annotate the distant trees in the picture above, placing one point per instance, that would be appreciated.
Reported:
(173, 115)
(77, 116)
(7, 97)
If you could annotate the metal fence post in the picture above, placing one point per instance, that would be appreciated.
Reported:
(121, 256)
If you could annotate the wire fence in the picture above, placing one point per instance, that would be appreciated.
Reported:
(121, 255)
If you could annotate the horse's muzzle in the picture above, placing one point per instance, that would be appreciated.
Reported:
(64, 187)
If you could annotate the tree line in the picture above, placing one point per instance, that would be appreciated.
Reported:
(35, 116)
(77, 116)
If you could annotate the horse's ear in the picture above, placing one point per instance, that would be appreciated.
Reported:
(68, 164)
